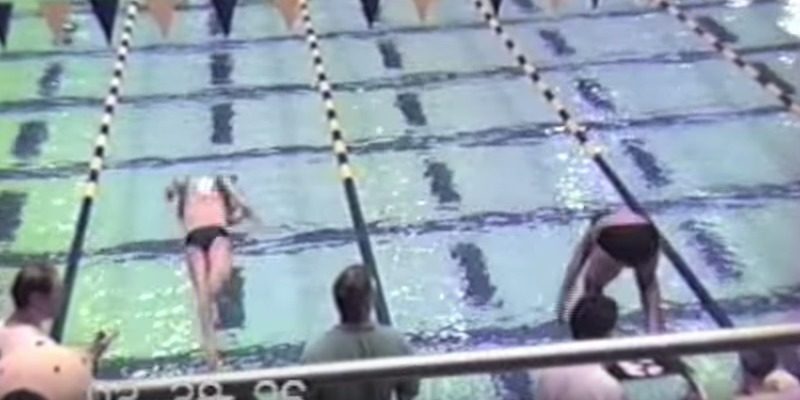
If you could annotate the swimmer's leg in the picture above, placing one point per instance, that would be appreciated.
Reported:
(570, 295)
(569, 288)
(220, 259)
(650, 294)
(598, 271)
(198, 270)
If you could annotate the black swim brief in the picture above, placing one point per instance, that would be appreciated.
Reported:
(204, 237)
(633, 245)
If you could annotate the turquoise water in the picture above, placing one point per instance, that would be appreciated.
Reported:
(708, 152)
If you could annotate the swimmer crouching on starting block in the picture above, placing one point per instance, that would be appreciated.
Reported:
(207, 207)
(613, 241)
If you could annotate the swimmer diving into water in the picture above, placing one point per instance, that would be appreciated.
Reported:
(207, 207)
(615, 240)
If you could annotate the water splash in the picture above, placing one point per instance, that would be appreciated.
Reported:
(573, 189)
(790, 21)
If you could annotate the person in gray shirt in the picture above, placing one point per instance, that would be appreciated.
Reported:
(358, 337)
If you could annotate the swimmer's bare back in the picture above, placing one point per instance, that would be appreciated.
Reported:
(196, 209)
(203, 210)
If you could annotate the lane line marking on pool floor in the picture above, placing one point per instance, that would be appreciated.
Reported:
(579, 131)
(96, 166)
(769, 83)
(340, 151)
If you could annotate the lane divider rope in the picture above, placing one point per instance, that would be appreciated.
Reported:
(579, 131)
(341, 153)
(720, 46)
(95, 167)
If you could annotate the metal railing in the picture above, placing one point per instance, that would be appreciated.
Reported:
(243, 384)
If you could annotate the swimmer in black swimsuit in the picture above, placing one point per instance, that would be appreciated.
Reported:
(616, 240)
(207, 207)
(204, 237)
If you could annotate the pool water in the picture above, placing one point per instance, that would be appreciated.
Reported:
(473, 196)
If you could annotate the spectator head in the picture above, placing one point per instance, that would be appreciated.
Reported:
(758, 363)
(352, 292)
(37, 287)
(46, 372)
(594, 317)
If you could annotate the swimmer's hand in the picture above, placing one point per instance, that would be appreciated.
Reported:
(641, 368)
(248, 214)
(674, 364)
(172, 190)
(176, 189)
(102, 341)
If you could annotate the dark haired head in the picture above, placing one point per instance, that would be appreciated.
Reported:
(594, 317)
(352, 292)
(33, 279)
(758, 363)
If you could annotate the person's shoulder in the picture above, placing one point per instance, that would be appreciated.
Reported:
(781, 380)
(390, 341)
(16, 337)
(550, 372)
(567, 373)
(606, 380)
(604, 385)
(793, 394)
(315, 348)
(595, 376)
(589, 380)
(389, 331)
(22, 330)
(391, 334)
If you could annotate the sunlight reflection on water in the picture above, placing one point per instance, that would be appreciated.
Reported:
(791, 20)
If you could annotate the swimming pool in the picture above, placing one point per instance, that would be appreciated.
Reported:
(473, 197)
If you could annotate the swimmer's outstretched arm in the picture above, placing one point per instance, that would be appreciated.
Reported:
(177, 191)
(102, 341)
(573, 271)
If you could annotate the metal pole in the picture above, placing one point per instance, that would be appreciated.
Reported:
(342, 155)
(242, 384)
(95, 168)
